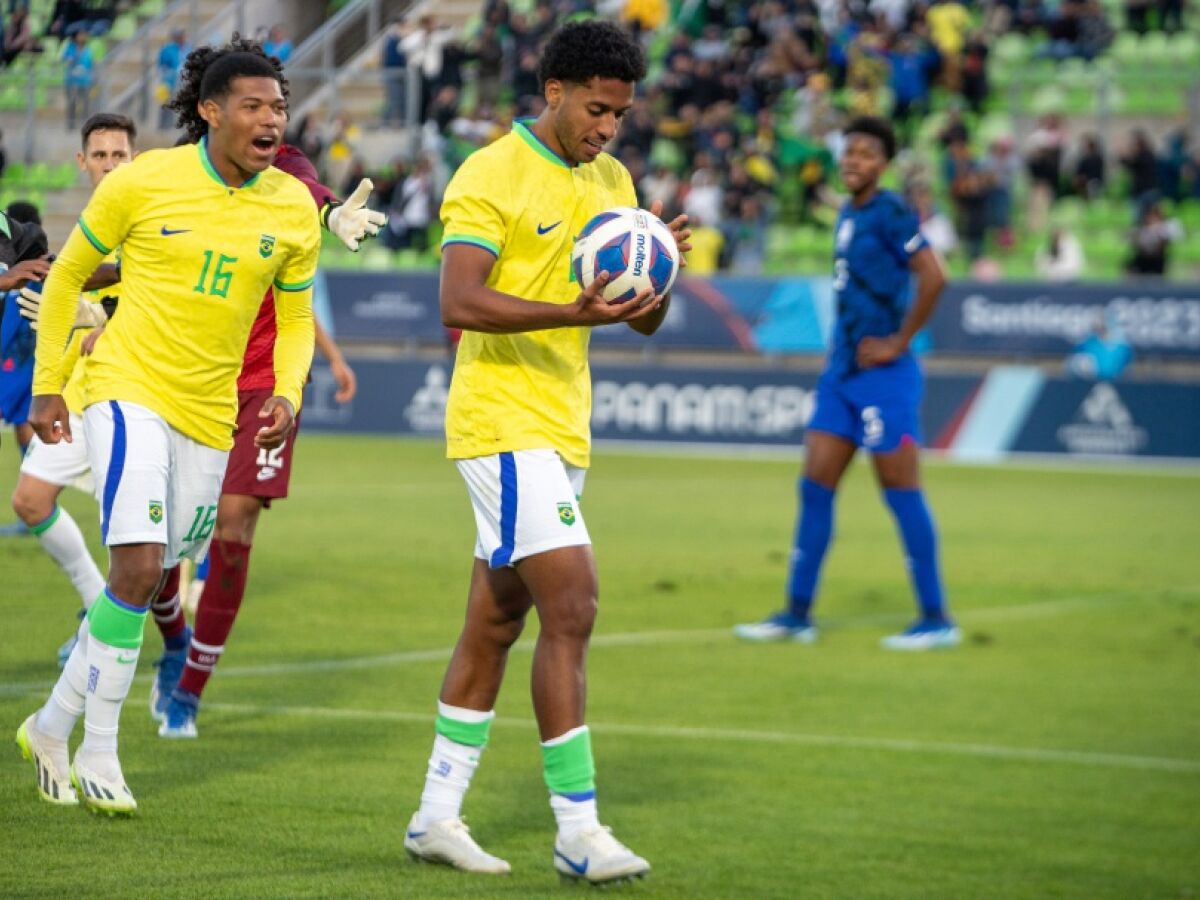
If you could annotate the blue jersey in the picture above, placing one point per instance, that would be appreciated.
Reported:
(871, 284)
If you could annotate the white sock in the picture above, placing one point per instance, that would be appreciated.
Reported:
(573, 816)
(110, 675)
(66, 702)
(64, 542)
(451, 767)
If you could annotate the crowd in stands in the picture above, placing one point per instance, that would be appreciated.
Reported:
(738, 122)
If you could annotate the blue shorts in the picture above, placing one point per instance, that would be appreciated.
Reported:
(16, 392)
(877, 409)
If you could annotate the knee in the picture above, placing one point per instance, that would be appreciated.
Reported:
(505, 633)
(30, 507)
(135, 580)
(572, 618)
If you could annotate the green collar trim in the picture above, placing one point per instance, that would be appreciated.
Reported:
(205, 161)
(537, 145)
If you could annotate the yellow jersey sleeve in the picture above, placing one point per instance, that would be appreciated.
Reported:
(471, 210)
(109, 214)
(60, 298)
(294, 329)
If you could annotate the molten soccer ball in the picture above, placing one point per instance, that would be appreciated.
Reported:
(633, 246)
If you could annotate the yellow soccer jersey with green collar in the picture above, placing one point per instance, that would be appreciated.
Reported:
(519, 201)
(197, 257)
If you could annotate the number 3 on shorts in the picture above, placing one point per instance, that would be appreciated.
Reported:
(202, 524)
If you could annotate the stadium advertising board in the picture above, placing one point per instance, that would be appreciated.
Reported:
(1008, 318)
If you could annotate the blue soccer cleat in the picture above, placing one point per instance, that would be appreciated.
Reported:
(180, 719)
(783, 626)
(15, 529)
(925, 634)
(170, 670)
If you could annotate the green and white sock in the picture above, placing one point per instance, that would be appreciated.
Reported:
(114, 644)
(461, 736)
(65, 704)
(61, 538)
(570, 774)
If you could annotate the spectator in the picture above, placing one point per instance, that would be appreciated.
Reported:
(394, 63)
(1044, 152)
(277, 44)
(975, 88)
(1172, 164)
(1001, 167)
(80, 76)
(1089, 169)
(170, 63)
(969, 186)
(1151, 242)
(948, 23)
(307, 136)
(707, 243)
(910, 83)
(1103, 355)
(67, 17)
(425, 49)
(1061, 259)
(412, 209)
(703, 198)
(1170, 15)
(18, 37)
(1095, 33)
(1142, 165)
(1136, 15)
(99, 16)
(936, 227)
(489, 61)
(661, 185)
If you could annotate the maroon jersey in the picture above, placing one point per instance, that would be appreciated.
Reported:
(258, 366)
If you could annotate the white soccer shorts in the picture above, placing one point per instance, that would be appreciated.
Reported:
(62, 463)
(526, 502)
(154, 484)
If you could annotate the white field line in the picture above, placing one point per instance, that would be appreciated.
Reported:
(629, 639)
(738, 735)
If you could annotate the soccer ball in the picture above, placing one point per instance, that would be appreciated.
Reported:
(633, 246)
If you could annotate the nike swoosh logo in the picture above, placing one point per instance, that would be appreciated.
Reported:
(548, 228)
(167, 232)
(416, 834)
(577, 868)
(125, 661)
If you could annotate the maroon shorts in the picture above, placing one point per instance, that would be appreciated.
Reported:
(252, 471)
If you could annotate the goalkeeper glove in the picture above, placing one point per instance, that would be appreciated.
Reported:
(87, 315)
(353, 221)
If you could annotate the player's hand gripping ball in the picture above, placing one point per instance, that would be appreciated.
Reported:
(633, 246)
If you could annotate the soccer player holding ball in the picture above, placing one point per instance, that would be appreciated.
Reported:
(517, 426)
(204, 229)
(870, 393)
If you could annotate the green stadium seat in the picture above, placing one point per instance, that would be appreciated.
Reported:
(1011, 49)
(123, 28)
(14, 173)
(1184, 50)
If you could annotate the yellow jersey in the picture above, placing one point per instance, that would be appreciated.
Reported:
(197, 257)
(519, 201)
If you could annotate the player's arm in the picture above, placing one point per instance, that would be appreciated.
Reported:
(468, 303)
(903, 237)
(351, 221)
(106, 275)
(60, 298)
(347, 382)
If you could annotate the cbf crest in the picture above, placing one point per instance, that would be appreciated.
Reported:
(566, 513)
(156, 511)
(266, 245)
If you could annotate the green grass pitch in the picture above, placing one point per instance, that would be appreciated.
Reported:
(1055, 754)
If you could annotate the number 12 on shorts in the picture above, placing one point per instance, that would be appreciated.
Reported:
(202, 525)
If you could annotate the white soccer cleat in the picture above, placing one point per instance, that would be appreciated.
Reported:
(924, 635)
(783, 626)
(50, 763)
(101, 794)
(595, 855)
(449, 842)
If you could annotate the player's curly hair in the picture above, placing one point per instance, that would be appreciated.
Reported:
(875, 127)
(208, 72)
(581, 51)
